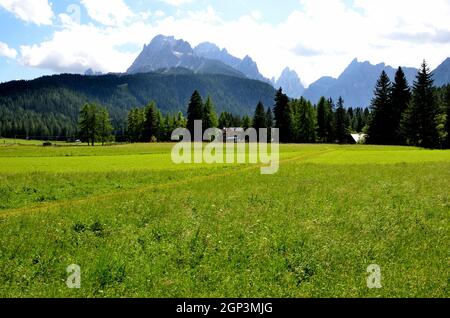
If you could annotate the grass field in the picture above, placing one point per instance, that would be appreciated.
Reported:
(140, 226)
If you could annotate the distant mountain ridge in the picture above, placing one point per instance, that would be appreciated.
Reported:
(166, 52)
(246, 66)
(441, 74)
(356, 84)
(290, 82)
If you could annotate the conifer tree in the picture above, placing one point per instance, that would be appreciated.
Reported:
(331, 121)
(209, 115)
(420, 120)
(104, 126)
(269, 119)
(195, 111)
(304, 121)
(88, 123)
(381, 130)
(269, 124)
(282, 114)
(246, 122)
(341, 124)
(401, 96)
(260, 119)
(151, 122)
(322, 120)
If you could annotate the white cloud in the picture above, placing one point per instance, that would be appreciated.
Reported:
(176, 3)
(256, 14)
(320, 38)
(79, 47)
(6, 51)
(34, 11)
(112, 13)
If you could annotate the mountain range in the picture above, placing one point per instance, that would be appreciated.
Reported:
(355, 84)
(165, 52)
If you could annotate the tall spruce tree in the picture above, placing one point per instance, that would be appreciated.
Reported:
(282, 116)
(195, 111)
(209, 115)
(322, 120)
(401, 96)
(420, 119)
(381, 130)
(269, 118)
(151, 122)
(331, 121)
(304, 121)
(104, 126)
(269, 124)
(88, 123)
(260, 118)
(341, 123)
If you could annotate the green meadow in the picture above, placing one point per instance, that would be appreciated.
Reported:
(139, 225)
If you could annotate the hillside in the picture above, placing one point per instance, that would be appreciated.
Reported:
(50, 105)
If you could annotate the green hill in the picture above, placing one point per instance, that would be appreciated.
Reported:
(49, 106)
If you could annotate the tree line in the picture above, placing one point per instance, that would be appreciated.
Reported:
(299, 120)
(398, 115)
(403, 116)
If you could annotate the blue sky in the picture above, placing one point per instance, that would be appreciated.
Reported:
(313, 37)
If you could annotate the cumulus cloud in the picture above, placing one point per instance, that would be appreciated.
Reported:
(34, 11)
(79, 47)
(6, 51)
(114, 12)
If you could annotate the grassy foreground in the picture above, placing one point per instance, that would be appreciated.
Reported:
(140, 226)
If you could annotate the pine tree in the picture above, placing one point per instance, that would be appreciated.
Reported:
(209, 115)
(283, 115)
(322, 120)
(161, 131)
(224, 120)
(401, 96)
(246, 122)
(94, 124)
(180, 121)
(381, 130)
(260, 119)
(303, 121)
(341, 124)
(331, 122)
(420, 120)
(269, 118)
(104, 126)
(195, 111)
(88, 123)
(151, 122)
